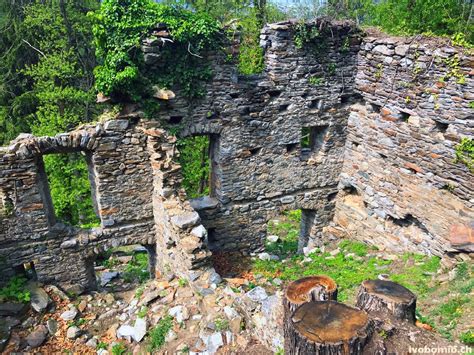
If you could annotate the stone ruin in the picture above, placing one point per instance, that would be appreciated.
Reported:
(383, 115)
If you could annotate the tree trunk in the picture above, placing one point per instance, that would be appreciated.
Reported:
(307, 289)
(387, 298)
(327, 327)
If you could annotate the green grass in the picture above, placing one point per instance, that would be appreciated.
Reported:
(288, 230)
(221, 324)
(137, 269)
(467, 337)
(417, 273)
(15, 290)
(158, 334)
(348, 272)
(142, 312)
(119, 349)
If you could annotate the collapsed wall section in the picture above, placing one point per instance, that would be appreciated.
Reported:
(278, 137)
(404, 191)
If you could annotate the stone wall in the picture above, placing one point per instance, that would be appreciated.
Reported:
(377, 164)
(403, 189)
(255, 125)
(123, 157)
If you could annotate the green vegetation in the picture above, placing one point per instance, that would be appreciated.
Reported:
(71, 189)
(137, 269)
(119, 27)
(119, 349)
(142, 312)
(465, 153)
(467, 337)
(356, 262)
(195, 165)
(102, 345)
(221, 324)
(158, 334)
(182, 282)
(15, 290)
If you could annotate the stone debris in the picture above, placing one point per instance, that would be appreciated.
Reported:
(37, 336)
(69, 314)
(39, 299)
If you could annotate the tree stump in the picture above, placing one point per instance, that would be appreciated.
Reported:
(387, 298)
(307, 289)
(327, 327)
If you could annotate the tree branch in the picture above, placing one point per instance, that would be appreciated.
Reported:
(36, 49)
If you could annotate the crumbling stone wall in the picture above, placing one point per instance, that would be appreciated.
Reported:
(255, 125)
(379, 165)
(122, 159)
(404, 191)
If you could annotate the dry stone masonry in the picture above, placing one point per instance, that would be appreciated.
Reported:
(356, 130)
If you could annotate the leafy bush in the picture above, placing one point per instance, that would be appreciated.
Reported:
(119, 27)
(15, 290)
(158, 334)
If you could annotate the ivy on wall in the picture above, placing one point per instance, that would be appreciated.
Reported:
(120, 25)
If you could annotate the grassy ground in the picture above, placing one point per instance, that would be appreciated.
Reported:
(447, 306)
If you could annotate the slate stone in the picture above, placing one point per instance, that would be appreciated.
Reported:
(186, 220)
(39, 298)
(38, 336)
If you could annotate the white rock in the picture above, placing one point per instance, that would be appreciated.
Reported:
(273, 238)
(264, 256)
(73, 332)
(180, 313)
(70, 314)
(230, 312)
(140, 329)
(258, 294)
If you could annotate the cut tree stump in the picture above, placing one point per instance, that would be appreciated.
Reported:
(307, 289)
(387, 297)
(328, 327)
(311, 288)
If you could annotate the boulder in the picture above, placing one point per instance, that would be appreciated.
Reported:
(37, 336)
(39, 298)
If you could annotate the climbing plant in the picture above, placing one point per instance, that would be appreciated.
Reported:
(465, 153)
(120, 25)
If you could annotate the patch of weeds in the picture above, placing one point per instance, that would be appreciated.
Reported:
(142, 312)
(221, 324)
(119, 349)
(182, 282)
(158, 334)
(462, 271)
(77, 323)
(315, 81)
(383, 334)
(467, 337)
(347, 271)
(139, 292)
(350, 246)
(185, 350)
(288, 230)
(137, 269)
(448, 314)
(417, 273)
(15, 290)
(102, 346)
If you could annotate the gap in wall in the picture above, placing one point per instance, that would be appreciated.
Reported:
(59, 175)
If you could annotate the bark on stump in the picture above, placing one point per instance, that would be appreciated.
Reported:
(307, 289)
(328, 327)
(387, 298)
